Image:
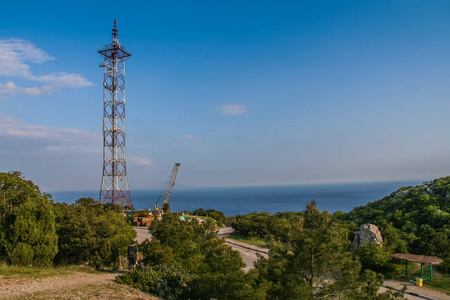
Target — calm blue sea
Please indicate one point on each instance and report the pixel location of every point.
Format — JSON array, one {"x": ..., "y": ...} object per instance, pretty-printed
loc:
[{"x": 242, "y": 200}]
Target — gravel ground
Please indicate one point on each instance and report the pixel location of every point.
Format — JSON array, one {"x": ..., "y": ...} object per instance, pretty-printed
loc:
[{"x": 74, "y": 286}]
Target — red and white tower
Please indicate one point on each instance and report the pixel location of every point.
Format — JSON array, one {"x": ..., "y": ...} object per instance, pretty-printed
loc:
[{"x": 114, "y": 182}]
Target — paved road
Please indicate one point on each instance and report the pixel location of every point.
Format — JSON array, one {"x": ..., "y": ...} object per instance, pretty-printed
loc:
[
  {"x": 248, "y": 252},
  {"x": 414, "y": 292},
  {"x": 142, "y": 234}
]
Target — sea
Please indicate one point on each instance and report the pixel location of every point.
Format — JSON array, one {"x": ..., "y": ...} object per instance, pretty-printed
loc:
[{"x": 234, "y": 201}]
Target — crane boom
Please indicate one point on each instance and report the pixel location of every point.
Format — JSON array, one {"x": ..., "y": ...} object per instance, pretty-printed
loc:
[{"x": 172, "y": 182}]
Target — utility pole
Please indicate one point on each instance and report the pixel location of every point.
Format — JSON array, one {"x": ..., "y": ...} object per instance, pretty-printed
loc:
[{"x": 114, "y": 186}]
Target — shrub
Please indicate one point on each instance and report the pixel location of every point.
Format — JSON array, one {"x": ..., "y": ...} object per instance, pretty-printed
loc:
[{"x": 168, "y": 281}]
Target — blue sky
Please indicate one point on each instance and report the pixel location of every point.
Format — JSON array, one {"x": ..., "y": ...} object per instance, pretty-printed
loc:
[{"x": 238, "y": 92}]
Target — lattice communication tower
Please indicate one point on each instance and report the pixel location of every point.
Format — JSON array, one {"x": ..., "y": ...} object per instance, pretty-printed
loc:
[{"x": 114, "y": 181}]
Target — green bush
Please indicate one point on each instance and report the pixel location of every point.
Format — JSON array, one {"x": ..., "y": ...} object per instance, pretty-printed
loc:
[
  {"x": 217, "y": 215},
  {"x": 21, "y": 255},
  {"x": 445, "y": 265},
  {"x": 374, "y": 257},
  {"x": 165, "y": 281}
]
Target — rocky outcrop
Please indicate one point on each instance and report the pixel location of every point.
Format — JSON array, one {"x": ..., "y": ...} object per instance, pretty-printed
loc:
[
  {"x": 404, "y": 191},
  {"x": 367, "y": 233}
]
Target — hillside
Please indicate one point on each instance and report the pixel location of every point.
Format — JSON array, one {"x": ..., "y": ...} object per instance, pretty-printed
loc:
[{"x": 421, "y": 215}]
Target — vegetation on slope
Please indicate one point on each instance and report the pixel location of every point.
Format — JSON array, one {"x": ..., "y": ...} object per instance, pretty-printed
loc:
[
  {"x": 186, "y": 260},
  {"x": 412, "y": 220},
  {"x": 419, "y": 216}
]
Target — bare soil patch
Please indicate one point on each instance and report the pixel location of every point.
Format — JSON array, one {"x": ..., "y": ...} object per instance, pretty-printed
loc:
[{"x": 77, "y": 285}]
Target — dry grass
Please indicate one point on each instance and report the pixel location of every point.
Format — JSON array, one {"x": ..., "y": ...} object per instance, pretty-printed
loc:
[
  {"x": 111, "y": 290},
  {"x": 10, "y": 272},
  {"x": 72, "y": 282}
]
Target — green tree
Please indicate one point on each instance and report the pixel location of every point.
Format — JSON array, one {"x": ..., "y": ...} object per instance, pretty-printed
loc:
[
  {"x": 264, "y": 224},
  {"x": 27, "y": 226},
  {"x": 215, "y": 270},
  {"x": 374, "y": 257},
  {"x": 154, "y": 253},
  {"x": 199, "y": 212},
  {"x": 319, "y": 251},
  {"x": 91, "y": 233},
  {"x": 314, "y": 263},
  {"x": 217, "y": 215}
]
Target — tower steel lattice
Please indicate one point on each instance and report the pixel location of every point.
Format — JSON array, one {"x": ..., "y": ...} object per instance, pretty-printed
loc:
[{"x": 114, "y": 186}]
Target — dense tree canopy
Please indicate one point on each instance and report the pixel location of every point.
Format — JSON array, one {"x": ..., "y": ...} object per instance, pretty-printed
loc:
[
  {"x": 262, "y": 224},
  {"x": 91, "y": 233},
  {"x": 313, "y": 262},
  {"x": 212, "y": 213},
  {"x": 308, "y": 258},
  {"x": 186, "y": 260},
  {"x": 27, "y": 227},
  {"x": 192, "y": 251}
]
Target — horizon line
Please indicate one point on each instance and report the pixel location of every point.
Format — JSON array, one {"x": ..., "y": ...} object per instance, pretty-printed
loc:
[{"x": 262, "y": 185}]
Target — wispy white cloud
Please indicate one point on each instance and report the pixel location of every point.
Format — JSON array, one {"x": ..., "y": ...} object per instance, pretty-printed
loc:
[
  {"x": 57, "y": 82},
  {"x": 15, "y": 55},
  {"x": 24, "y": 137},
  {"x": 233, "y": 110},
  {"x": 65, "y": 79},
  {"x": 34, "y": 91},
  {"x": 140, "y": 161},
  {"x": 190, "y": 137},
  {"x": 8, "y": 88}
]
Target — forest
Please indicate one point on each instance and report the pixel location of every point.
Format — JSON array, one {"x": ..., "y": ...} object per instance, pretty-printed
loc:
[{"x": 309, "y": 255}]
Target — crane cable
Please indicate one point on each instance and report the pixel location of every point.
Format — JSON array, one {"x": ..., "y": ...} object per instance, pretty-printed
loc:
[{"x": 164, "y": 188}]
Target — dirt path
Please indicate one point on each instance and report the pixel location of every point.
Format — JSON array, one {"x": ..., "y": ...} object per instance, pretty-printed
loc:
[{"x": 73, "y": 286}]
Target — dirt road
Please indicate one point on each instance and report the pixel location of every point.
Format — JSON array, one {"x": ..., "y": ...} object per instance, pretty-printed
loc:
[{"x": 72, "y": 286}]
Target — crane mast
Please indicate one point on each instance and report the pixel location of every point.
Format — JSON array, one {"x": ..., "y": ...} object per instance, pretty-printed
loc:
[
  {"x": 172, "y": 182},
  {"x": 169, "y": 186}
]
